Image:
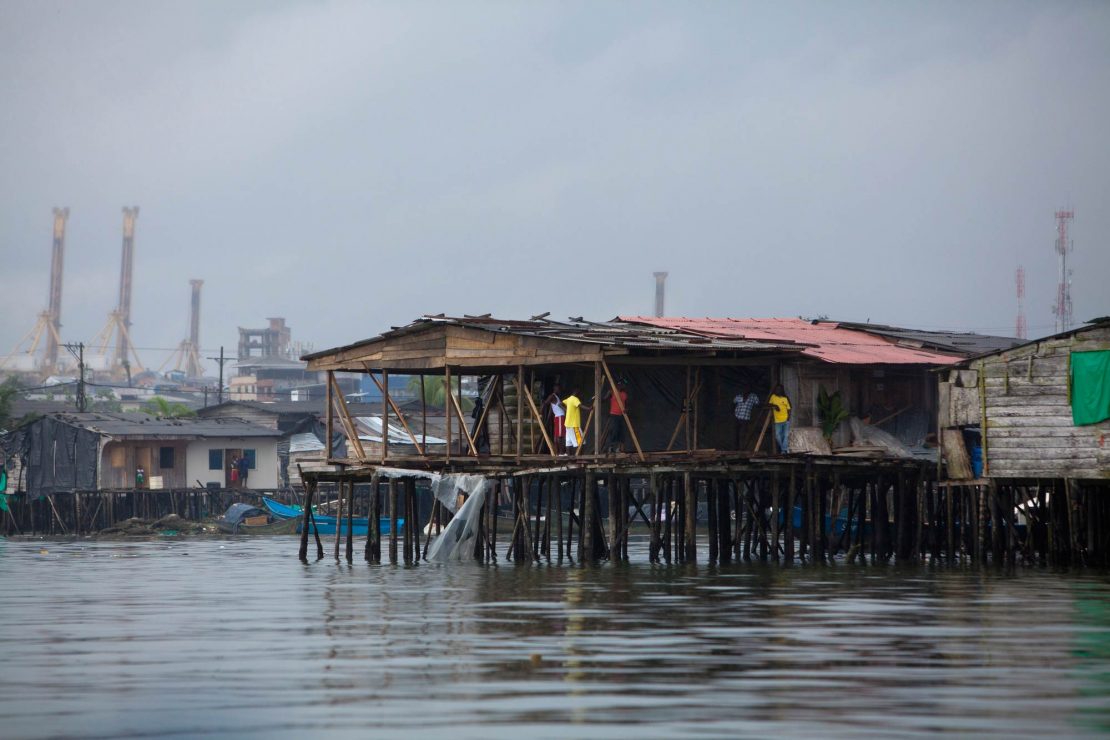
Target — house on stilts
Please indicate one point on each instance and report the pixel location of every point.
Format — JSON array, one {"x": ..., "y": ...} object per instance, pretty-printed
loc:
[{"x": 677, "y": 463}]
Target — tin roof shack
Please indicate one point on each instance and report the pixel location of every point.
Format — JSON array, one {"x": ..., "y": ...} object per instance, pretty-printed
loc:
[
  {"x": 1040, "y": 410},
  {"x": 881, "y": 372},
  {"x": 680, "y": 385},
  {"x": 92, "y": 451},
  {"x": 284, "y": 416}
]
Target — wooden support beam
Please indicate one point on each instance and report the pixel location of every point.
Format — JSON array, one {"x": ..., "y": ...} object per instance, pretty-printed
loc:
[
  {"x": 329, "y": 423},
  {"x": 385, "y": 416},
  {"x": 392, "y": 521},
  {"x": 462, "y": 423},
  {"x": 597, "y": 416},
  {"x": 690, "y": 491},
  {"x": 400, "y": 416},
  {"x": 446, "y": 410},
  {"x": 586, "y": 431},
  {"x": 536, "y": 415},
  {"x": 345, "y": 419},
  {"x": 519, "y": 411},
  {"x": 683, "y": 416},
  {"x": 624, "y": 411}
]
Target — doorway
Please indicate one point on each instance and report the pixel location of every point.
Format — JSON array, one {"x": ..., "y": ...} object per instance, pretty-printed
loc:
[{"x": 231, "y": 456}]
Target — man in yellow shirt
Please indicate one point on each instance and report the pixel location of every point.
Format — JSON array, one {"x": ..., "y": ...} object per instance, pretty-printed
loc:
[
  {"x": 780, "y": 406},
  {"x": 573, "y": 420}
]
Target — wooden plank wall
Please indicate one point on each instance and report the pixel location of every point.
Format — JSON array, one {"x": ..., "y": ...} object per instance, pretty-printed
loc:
[
  {"x": 1029, "y": 431},
  {"x": 432, "y": 348}
]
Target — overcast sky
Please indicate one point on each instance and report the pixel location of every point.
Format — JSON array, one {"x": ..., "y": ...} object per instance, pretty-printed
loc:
[{"x": 353, "y": 165}]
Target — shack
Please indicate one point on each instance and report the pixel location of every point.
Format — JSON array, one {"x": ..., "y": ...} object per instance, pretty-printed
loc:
[
  {"x": 91, "y": 451},
  {"x": 666, "y": 387},
  {"x": 1035, "y": 411},
  {"x": 882, "y": 373},
  {"x": 1024, "y": 435}
]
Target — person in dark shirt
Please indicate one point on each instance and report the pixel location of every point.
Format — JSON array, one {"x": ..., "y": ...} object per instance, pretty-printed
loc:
[{"x": 614, "y": 441}]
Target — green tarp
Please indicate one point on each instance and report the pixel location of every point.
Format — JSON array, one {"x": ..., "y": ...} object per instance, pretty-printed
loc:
[{"x": 1090, "y": 387}]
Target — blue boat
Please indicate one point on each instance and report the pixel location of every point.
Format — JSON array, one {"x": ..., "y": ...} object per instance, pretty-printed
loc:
[
  {"x": 326, "y": 524},
  {"x": 836, "y": 526}
]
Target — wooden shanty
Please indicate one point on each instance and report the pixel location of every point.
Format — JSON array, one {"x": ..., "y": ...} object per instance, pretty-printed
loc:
[
  {"x": 677, "y": 463},
  {"x": 1013, "y": 440}
]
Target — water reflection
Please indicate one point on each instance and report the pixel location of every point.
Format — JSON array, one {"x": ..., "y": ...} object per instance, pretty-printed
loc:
[{"x": 239, "y": 637}]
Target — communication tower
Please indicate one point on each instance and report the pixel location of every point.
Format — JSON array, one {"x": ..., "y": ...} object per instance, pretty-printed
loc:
[{"x": 1064, "y": 246}]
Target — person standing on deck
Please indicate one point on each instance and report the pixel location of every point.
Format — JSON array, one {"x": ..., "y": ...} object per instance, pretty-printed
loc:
[
  {"x": 614, "y": 440},
  {"x": 780, "y": 407},
  {"x": 745, "y": 404},
  {"x": 554, "y": 407},
  {"x": 244, "y": 469},
  {"x": 573, "y": 419}
]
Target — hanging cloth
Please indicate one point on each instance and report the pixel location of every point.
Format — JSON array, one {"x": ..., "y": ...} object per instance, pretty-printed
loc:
[{"x": 1090, "y": 387}]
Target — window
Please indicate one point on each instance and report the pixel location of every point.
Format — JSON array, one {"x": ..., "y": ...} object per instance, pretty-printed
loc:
[
  {"x": 215, "y": 459},
  {"x": 249, "y": 454},
  {"x": 165, "y": 458}
]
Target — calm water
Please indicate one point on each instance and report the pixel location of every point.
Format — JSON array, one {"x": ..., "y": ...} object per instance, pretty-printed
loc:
[{"x": 237, "y": 637}]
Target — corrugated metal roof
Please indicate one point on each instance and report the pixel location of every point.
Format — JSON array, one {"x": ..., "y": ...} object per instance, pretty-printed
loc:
[
  {"x": 962, "y": 343},
  {"x": 133, "y": 425},
  {"x": 823, "y": 340},
  {"x": 606, "y": 333}
]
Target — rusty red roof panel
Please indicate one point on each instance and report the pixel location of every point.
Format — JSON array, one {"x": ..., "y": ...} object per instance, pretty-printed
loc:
[{"x": 824, "y": 340}]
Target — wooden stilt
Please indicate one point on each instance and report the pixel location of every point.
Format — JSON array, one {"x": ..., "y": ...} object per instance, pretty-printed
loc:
[
  {"x": 391, "y": 502},
  {"x": 558, "y": 483},
  {"x": 350, "y": 522},
  {"x": 656, "y": 518},
  {"x": 691, "y": 523}
]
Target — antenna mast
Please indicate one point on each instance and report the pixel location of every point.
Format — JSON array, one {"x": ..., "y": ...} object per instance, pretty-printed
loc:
[{"x": 1062, "y": 309}]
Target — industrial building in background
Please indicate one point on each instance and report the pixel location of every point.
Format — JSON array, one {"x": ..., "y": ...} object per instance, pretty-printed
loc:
[
  {"x": 113, "y": 342},
  {"x": 269, "y": 365},
  {"x": 273, "y": 341},
  {"x": 47, "y": 330},
  {"x": 1063, "y": 309}
]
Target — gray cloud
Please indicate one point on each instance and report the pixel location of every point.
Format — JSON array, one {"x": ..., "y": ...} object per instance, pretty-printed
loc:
[{"x": 351, "y": 165}]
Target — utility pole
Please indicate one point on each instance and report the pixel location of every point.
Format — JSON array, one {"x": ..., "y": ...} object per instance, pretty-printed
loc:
[
  {"x": 220, "y": 390},
  {"x": 78, "y": 352}
]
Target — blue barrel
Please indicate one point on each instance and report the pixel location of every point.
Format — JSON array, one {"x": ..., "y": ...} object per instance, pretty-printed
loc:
[{"x": 977, "y": 461}]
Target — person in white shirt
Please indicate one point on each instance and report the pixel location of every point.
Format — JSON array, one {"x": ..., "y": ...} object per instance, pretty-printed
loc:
[{"x": 745, "y": 404}]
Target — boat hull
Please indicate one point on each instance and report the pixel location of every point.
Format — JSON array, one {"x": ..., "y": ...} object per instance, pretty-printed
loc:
[{"x": 326, "y": 524}]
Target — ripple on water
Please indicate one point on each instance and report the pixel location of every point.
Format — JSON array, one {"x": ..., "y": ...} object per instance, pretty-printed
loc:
[{"x": 237, "y": 637}]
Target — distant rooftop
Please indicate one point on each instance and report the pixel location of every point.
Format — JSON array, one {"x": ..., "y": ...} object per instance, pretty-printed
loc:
[{"x": 139, "y": 425}]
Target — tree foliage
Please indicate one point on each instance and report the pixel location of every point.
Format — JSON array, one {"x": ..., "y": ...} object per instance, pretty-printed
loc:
[
  {"x": 8, "y": 390},
  {"x": 435, "y": 391},
  {"x": 832, "y": 412},
  {"x": 159, "y": 406}
]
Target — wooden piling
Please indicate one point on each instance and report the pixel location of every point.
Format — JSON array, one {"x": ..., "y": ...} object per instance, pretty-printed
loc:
[{"x": 691, "y": 493}]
